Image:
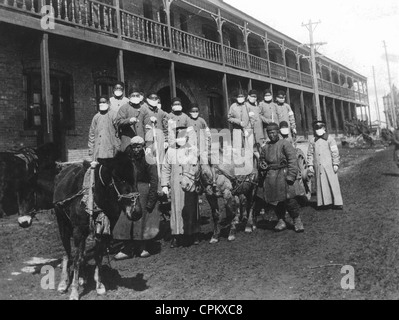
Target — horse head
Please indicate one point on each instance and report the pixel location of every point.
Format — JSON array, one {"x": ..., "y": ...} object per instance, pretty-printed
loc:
[
  {"x": 190, "y": 181},
  {"x": 118, "y": 179}
]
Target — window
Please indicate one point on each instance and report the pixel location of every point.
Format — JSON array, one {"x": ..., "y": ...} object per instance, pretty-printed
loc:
[
  {"x": 216, "y": 114},
  {"x": 147, "y": 9},
  {"x": 183, "y": 22},
  {"x": 210, "y": 33},
  {"x": 62, "y": 111}
]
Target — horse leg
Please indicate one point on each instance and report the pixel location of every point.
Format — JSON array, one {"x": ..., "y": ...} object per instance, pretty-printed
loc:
[
  {"x": 213, "y": 203},
  {"x": 251, "y": 222},
  {"x": 79, "y": 237},
  {"x": 234, "y": 205},
  {"x": 65, "y": 234},
  {"x": 98, "y": 257}
]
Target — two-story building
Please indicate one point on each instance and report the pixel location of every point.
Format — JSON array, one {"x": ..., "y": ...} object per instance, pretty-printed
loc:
[{"x": 51, "y": 74}]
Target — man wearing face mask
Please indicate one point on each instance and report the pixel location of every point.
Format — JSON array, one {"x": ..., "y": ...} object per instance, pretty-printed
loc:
[
  {"x": 184, "y": 216},
  {"x": 238, "y": 114},
  {"x": 127, "y": 119},
  {"x": 284, "y": 112},
  {"x": 199, "y": 125},
  {"x": 278, "y": 162},
  {"x": 268, "y": 110},
  {"x": 151, "y": 116},
  {"x": 177, "y": 118},
  {"x": 323, "y": 159},
  {"x": 254, "y": 115},
  {"x": 118, "y": 100},
  {"x": 103, "y": 141}
]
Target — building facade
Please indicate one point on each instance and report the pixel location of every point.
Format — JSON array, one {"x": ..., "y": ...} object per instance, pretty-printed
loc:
[{"x": 58, "y": 56}]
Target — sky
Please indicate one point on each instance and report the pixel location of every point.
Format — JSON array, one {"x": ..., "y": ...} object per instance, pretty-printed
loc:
[{"x": 354, "y": 31}]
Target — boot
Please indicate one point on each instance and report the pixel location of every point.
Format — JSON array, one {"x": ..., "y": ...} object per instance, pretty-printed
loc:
[
  {"x": 298, "y": 225},
  {"x": 280, "y": 225}
]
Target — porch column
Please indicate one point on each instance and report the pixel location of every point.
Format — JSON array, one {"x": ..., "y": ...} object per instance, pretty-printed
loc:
[
  {"x": 303, "y": 116},
  {"x": 350, "y": 111},
  {"x": 172, "y": 80},
  {"x": 335, "y": 117},
  {"x": 342, "y": 114},
  {"x": 327, "y": 118},
  {"x": 46, "y": 134},
  {"x": 225, "y": 95},
  {"x": 166, "y": 4},
  {"x": 288, "y": 96},
  {"x": 120, "y": 66},
  {"x": 246, "y": 45}
]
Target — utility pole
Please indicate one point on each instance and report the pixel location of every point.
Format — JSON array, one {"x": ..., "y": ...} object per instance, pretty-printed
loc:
[
  {"x": 376, "y": 103},
  {"x": 393, "y": 111},
  {"x": 311, "y": 26}
]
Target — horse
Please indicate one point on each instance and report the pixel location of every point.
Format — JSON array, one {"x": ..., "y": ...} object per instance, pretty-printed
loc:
[
  {"x": 21, "y": 172},
  {"x": 237, "y": 191},
  {"x": 114, "y": 193}
]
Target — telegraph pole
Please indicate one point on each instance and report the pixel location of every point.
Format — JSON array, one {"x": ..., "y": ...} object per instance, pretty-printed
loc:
[
  {"x": 376, "y": 103},
  {"x": 393, "y": 111},
  {"x": 311, "y": 26}
]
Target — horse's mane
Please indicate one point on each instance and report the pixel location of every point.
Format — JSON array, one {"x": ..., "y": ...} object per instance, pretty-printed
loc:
[{"x": 121, "y": 165}]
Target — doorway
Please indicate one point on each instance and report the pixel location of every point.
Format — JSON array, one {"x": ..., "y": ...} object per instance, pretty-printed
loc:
[{"x": 165, "y": 97}]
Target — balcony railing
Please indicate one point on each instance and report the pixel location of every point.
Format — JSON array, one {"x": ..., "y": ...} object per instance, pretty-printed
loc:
[{"x": 103, "y": 18}]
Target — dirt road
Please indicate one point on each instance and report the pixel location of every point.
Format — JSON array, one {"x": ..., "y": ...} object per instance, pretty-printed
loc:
[{"x": 262, "y": 265}]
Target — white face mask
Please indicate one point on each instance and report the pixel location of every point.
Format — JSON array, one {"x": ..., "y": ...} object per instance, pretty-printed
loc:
[
  {"x": 153, "y": 103},
  {"x": 240, "y": 100},
  {"x": 320, "y": 132},
  {"x": 118, "y": 93},
  {"x": 177, "y": 108},
  {"x": 181, "y": 141},
  {"x": 103, "y": 106},
  {"x": 285, "y": 131},
  {"x": 280, "y": 100},
  {"x": 135, "y": 100},
  {"x": 194, "y": 115},
  {"x": 268, "y": 98},
  {"x": 252, "y": 99}
]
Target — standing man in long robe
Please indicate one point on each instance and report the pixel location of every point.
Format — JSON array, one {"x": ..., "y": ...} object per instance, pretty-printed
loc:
[
  {"x": 256, "y": 122},
  {"x": 268, "y": 110},
  {"x": 119, "y": 99},
  {"x": 147, "y": 227},
  {"x": 324, "y": 161},
  {"x": 181, "y": 158},
  {"x": 285, "y": 113},
  {"x": 278, "y": 161}
]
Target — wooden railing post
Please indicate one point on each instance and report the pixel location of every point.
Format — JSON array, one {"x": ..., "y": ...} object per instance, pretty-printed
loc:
[
  {"x": 118, "y": 18},
  {"x": 220, "y": 30}
]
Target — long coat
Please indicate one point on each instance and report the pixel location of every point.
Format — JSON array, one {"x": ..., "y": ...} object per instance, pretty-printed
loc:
[
  {"x": 285, "y": 113},
  {"x": 147, "y": 183},
  {"x": 268, "y": 114},
  {"x": 103, "y": 140},
  {"x": 257, "y": 124},
  {"x": 323, "y": 154},
  {"x": 116, "y": 104},
  {"x": 127, "y": 130},
  {"x": 184, "y": 217},
  {"x": 175, "y": 121},
  {"x": 275, "y": 186},
  {"x": 201, "y": 130}
]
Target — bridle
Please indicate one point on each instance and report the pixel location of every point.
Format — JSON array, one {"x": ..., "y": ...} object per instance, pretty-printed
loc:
[
  {"x": 133, "y": 196},
  {"x": 195, "y": 178}
]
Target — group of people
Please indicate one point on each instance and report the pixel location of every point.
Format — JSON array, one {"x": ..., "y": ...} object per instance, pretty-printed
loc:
[{"x": 163, "y": 151}]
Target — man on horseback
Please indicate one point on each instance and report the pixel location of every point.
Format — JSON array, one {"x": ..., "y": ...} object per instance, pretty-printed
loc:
[{"x": 278, "y": 161}]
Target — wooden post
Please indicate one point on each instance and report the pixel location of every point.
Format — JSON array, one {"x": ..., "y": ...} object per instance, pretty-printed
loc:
[
  {"x": 118, "y": 19},
  {"x": 167, "y": 4},
  {"x": 225, "y": 95},
  {"x": 246, "y": 45},
  {"x": 288, "y": 96},
  {"x": 343, "y": 114},
  {"x": 46, "y": 111},
  {"x": 267, "y": 55},
  {"x": 325, "y": 114},
  {"x": 350, "y": 111},
  {"x": 220, "y": 30},
  {"x": 249, "y": 85},
  {"x": 120, "y": 66},
  {"x": 172, "y": 80},
  {"x": 303, "y": 116},
  {"x": 335, "y": 117}
]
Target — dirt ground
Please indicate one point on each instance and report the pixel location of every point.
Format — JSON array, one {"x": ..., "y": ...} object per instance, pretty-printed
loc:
[{"x": 261, "y": 265}]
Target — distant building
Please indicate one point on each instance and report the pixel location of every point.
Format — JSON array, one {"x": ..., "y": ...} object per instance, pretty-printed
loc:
[
  {"x": 201, "y": 51},
  {"x": 387, "y": 101}
]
